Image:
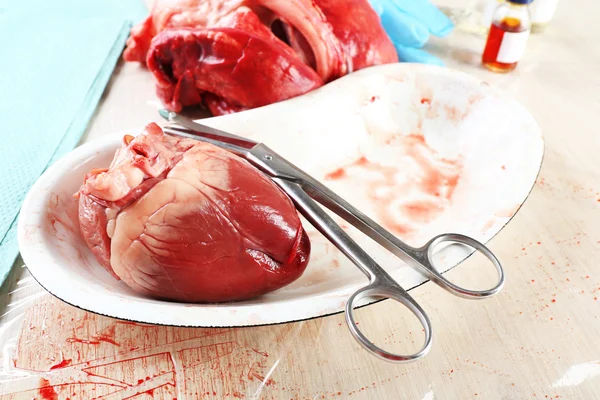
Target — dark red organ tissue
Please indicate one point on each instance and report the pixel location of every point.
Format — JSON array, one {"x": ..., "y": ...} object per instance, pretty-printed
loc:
[
  {"x": 182, "y": 220},
  {"x": 232, "y": 55}
]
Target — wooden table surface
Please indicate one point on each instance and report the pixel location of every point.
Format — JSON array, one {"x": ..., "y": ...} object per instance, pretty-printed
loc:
[{"x": 537, "y": 339}]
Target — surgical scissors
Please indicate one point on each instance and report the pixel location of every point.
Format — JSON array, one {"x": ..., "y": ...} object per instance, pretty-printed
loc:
[{"x": 305, "y": 192}]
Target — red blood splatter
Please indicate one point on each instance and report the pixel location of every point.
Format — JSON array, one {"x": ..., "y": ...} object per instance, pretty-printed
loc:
[
  {"x": 238, "y": 395},
  {"x": 533, "y": 280},
  {"x": 454, "y": 113},
  {"x": 262, "y": 353},
  {"x": 140, "y": 381},
  {"x": 373, "y": 98},
  {"x": 425, "y": 101},
  {"x": 84, "y": 341},
  {"x": 420, "y": 210},
  {"x": 435, "y": 176},
  {"x": 46, "y": 391},
  {"x": 539, "y": 242},
  {"x": 587, "y": 277},
  {"x": 108, "y": 335},
  {"x": 554, "y": 300},
  {"x": 252, "y": 373},
  {"x": 337, "y": 174},
  {"x": 123, "y": 322},
  {"x": 63, "y": 363},
  {"x": 363, "y": 161}
]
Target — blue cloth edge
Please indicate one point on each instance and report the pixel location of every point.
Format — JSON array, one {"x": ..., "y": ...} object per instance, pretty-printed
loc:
[{"x": 74, "y": 132}]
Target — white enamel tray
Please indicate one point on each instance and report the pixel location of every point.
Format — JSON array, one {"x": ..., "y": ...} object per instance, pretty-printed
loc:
[{"x": 421, "y": 149}]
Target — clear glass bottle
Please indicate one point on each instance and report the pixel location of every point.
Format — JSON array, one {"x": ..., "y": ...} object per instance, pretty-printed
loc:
[
  {"x": 508, "y": 35},
  {"x": 473, "y": 18},
  {"x": 542, "y": 12}
]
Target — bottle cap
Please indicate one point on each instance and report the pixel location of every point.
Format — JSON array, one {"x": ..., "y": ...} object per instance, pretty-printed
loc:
[{"x": 520, "y": 1}]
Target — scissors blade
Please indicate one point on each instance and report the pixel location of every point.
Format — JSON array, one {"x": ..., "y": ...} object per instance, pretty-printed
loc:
[
  {"x": 182, "y": 132},
  {"x": 235, "y": 143},
  {"x": 258, "y": 154}
]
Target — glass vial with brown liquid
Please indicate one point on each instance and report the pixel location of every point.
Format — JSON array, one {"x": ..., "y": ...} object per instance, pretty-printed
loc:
[{"x": 508, "y": 36}]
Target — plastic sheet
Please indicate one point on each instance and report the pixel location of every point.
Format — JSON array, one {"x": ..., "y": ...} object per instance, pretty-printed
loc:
[{"x": 51, "y": 350}]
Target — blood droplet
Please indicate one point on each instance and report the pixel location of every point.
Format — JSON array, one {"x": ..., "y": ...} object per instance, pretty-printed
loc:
[
  {"x": 65, "y": 362},
  {"x": 46, "y": 391}
]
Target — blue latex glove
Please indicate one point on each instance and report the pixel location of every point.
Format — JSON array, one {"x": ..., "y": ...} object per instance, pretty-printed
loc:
[{"x": 409, "y": 23}]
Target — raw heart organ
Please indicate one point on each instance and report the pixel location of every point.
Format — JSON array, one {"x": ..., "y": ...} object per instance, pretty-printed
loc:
[
  {"x": 230, "y": 70},
  {"x": 182, "y": 220},
  {"x": 232, "y": 55}
]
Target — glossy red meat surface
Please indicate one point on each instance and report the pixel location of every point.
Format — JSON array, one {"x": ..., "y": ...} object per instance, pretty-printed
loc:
[
  {"x": 182, "y": 220},
  {"x": 232, "y": 55}
]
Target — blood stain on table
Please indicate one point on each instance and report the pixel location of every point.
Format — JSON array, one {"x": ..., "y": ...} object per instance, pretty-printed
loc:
[
  {"x": 164, "y": 361},
  {"x": 65, "y": 362},
  {"x": 46, "y": 391},
  {"x": 262, "y": 353},
  {"x": 84, "y": 341},
  {"x": 108, "y": 335}
]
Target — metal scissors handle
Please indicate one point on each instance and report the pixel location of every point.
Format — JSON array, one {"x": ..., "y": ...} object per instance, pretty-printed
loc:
[{"x": 305, "y": 191}]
